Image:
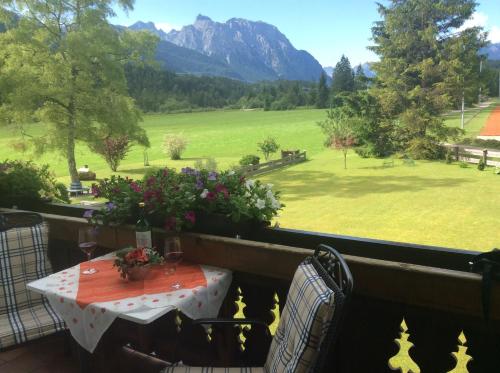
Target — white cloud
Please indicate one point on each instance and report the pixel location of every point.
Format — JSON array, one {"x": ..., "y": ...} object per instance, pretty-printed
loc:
[
  {"x": 494, "y": 34},
  {"x": 165, "y": 26},
  {"x": 477, "y": 19}
]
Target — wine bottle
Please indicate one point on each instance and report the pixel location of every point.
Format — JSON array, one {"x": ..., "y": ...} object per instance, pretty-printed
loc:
[{"x": 142, "y": 229}]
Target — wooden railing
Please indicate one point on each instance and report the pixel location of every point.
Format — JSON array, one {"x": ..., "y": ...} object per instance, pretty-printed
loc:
[
  {"x": 472, "y": 154},
  {"x": 404, "y": 316},
  {"x": 252, "y": 170}
]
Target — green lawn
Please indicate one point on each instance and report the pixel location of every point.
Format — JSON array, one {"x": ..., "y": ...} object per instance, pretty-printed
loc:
[
  {"x": 430, "y": 203},
  {"x": 474, "y": 119}
]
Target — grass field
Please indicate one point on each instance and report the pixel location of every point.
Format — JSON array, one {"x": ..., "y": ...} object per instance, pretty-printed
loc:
[{"x": 431, "y": 203}]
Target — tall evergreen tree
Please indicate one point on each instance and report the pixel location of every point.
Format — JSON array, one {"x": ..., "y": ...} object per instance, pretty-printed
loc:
[
  {"x": 412, "y": 40},
  {"x": 360, "y": 79},
  {"x": 322, "y": 96},
  {"x": 343, "y": 77},
  {"x": 62, "y": 64}
]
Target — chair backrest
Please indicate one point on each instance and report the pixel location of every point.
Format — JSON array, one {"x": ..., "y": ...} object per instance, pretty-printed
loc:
[
  {"x": 19, "y": 220},
  {"x": 312, "y": 314},
  {"x": 23, "y": 258}
]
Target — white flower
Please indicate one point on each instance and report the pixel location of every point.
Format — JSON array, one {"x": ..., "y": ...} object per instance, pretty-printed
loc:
[
  {"x": 204, "y": 193},
  {"x": 270, "y": 194},
  {"x": 249, "y": 183},
  {"x": 247, "y": 194},
  {"x": 269, "y": 186},
  {"x": 231, "y": 173},
  {"x": 260, "y": 204},
  {"x": 275, "y": 204}
]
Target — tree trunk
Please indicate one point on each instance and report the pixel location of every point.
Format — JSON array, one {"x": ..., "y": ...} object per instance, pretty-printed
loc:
[
  {"x": 70, "y": 150},
  {"x": 345, "y": 159}
]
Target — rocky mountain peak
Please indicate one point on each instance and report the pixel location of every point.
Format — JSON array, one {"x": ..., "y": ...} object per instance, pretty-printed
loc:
[{"x": 256, "y": 50}]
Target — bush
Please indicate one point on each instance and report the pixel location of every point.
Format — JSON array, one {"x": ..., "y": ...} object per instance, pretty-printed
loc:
[
  {"x": 268, "y": 147},
  {"x": 210, "y": 164},
  {"x": 464, "y": 164},
  {"x": 22, "y": 183},
  {"x": 174, "y": 145},
  {"x": 482, "y": 143},
  {"x": 113, "y": 150},
  {"x": 424, "y": 148},
  {"x": 481, "y": 165},
  {"x": 450, "y": 157},
  {"x": 497, "y": 170},
  {"x": 249, "y": 159}
]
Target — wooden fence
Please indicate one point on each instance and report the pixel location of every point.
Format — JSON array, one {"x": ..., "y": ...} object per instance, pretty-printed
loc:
[
  {"x": 472, "y": 154},
  {"x": 252, "y": 170}
]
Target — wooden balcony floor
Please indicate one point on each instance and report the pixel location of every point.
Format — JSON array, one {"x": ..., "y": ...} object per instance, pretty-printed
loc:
[{"x": 42, "y": 356}]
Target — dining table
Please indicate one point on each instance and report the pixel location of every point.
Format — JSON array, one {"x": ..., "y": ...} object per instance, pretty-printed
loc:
[{"x": 90, "y": 303}]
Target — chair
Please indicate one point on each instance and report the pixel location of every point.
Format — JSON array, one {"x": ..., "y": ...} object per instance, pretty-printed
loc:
[
  {"x": 309, "y": 324},
  {"x": 24, "y": 315}
]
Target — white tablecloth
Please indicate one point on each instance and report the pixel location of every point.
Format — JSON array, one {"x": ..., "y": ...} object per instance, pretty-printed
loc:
[{"x": 87, "y": 325}]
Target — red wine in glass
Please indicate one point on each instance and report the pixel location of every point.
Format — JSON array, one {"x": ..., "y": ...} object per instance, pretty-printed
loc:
[{"x": 87, "y": 243}]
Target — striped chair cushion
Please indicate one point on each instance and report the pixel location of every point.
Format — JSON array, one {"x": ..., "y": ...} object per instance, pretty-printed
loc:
[
  {"x": 24, "y": 315},
  {"x": 303, "y": 325},
  {"x": 186, "y": 369}
]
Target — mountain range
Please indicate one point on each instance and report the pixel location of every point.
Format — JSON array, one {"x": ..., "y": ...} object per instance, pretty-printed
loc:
[{"x": 238, "y": 49}]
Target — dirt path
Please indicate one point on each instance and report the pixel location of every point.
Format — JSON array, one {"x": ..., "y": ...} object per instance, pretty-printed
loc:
[{"x": 492, "y": 126}]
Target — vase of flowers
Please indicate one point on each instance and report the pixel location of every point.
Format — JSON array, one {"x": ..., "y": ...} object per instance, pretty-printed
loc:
[{"x": 135, "y": 263}]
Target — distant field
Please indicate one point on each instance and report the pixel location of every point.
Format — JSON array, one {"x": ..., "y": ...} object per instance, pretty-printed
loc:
[{"x": 430, "y": 203}]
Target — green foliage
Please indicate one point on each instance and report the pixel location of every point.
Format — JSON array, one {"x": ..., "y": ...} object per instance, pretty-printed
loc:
[
  {"x": 210, "y": 164},
  {"x": 360, "y": 79},
  {"x": 481, "y": 165},
  {"x": 159, "y": 90},
  {"x": 24, "y": 182},
  {"x": 173, "y": 199},
  {"x": 113, "y": 150},
  {"x": 483, "y": 143},
  {"x": 322, "y": 96},
  {"x": 268, "y": 146},
  {"x": 249, "y": 159},
  {"x": 463, "y": 164},
  {"x": 424, "y": 148},
  {"x": 174, "y": 145},
  {"x": 422, "y": 61},
  {"x": 449, "y": 157},
  {"x": 62, "y": 64},
  {"x": 340, "y": 130},
  {"x": 343, "y": 77}
]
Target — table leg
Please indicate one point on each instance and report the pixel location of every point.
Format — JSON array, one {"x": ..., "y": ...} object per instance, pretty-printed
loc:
[{"x": 84, "y": 360}]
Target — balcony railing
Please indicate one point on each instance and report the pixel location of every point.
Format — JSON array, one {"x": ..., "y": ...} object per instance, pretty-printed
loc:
[{"x": 414, "y": 307}]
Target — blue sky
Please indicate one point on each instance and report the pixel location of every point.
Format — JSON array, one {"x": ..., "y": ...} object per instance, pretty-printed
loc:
[{"x": 325, "y": 28}]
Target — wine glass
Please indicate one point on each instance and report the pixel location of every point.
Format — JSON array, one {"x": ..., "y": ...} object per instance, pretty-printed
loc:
[
  {"x": 173, "y": 256},
  {"x": 87, "y": 242}
]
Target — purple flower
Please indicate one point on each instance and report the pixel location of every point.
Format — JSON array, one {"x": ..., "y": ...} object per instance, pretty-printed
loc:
[
  {"x": 188, "y": 171},
  {"x": 88, "y": 214},
  {"x": 212, "y": 176},
  {"x": 151, "y": 180},
  {"x": 110, "y": 206},
  {"x": 199, "y": 184},
  {"x": 190, "y": 216}
]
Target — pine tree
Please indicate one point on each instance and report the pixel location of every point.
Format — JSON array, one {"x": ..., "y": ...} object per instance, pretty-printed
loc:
[
  {"x": 343, "y": 77},
  {"x": 360, "y": 79},
  {"x": 322, "y": 96},
  {"x": 413, "y": 40}
]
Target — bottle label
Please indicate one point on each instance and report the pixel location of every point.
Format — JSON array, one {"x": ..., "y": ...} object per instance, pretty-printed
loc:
[{"x": 143, "y": 239}]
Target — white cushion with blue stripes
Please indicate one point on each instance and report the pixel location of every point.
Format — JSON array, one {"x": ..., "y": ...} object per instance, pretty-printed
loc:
[
  {"x": 303, "y": 324},
  {"x": 24, "y": 315}
]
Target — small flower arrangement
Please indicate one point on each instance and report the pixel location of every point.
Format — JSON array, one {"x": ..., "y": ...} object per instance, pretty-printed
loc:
[{"x": 132, "y": 262}]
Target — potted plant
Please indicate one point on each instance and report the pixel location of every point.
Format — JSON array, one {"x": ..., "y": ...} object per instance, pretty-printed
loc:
[
  {"x": 188, "y": 199},
  {"x": 134, "y": 263}
]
